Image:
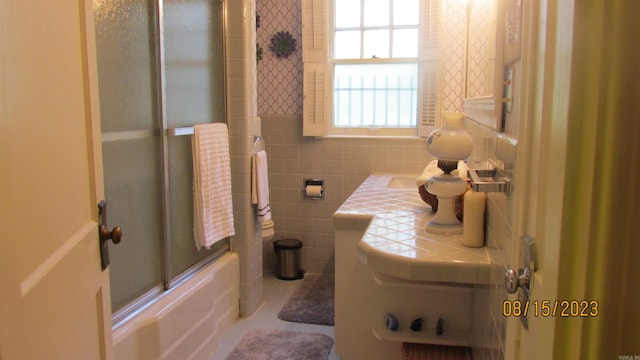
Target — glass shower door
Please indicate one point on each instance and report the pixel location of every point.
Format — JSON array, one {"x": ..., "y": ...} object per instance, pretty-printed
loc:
[
  {"x": 131, "y": 144},
  {"x": 157, "y": 70},
  {"x": 194, "y": 88}
]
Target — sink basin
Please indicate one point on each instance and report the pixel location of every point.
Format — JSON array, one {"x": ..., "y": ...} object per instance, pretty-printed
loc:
[
  {"x": 402, "y": 182},
  {"x": 393, "y": 181}
]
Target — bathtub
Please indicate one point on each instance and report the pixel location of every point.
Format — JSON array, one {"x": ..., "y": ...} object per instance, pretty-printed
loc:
[{"x": 186, "y": 322}]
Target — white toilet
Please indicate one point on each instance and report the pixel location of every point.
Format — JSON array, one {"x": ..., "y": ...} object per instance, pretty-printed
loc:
[{"x": 268, "y": 230}]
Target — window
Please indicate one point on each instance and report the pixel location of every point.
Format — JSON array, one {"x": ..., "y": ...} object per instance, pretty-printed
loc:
[
  {"x": 372, "y": 68},
  {"x": 375, "y": 95}
]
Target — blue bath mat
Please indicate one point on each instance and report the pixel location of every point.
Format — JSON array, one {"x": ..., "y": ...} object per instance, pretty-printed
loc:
[
  {"x": 261, "y": 344},
  {"x": 312, "y": 302}
]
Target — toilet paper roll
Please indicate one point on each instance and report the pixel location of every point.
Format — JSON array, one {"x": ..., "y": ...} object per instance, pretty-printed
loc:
[{"x": 313, "y": 191}]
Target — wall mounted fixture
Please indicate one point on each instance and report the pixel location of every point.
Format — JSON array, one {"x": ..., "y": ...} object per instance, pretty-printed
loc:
[
  {"x": 313, "y": 189},
  {"x": 490, "y": 180}
]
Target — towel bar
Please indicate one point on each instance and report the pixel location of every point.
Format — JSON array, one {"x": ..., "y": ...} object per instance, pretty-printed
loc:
[
  {"x": 179, "y": 131},
  {"x": 258, "y": 143},
  {"x": 188, "y": 130}
]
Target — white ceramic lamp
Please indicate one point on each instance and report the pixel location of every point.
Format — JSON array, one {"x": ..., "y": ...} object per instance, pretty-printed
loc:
[{"x": 449, "y": 145}]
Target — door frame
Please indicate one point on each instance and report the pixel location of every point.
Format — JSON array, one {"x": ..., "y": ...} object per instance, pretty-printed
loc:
[
  {"x": 540, "y": 173},
  {"x": 94, "y": 136}
]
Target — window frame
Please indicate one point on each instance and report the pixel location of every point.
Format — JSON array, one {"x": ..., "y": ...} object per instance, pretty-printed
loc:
[
  {"x": 332, "y": 61},
  {"x": 318, "y": 18}
]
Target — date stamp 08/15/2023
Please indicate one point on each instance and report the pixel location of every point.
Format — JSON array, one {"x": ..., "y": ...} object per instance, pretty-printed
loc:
[{"x": 551, "y": 308}]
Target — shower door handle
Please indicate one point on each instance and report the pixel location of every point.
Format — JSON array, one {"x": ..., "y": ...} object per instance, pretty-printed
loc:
[{"x": 105, "y": 235}]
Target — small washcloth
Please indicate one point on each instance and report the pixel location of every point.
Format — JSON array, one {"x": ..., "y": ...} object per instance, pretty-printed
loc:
[
  {"x": 212, "y": 202},
  {"x": 260, "y": 185},
  {"x": 432, "y": 170}
]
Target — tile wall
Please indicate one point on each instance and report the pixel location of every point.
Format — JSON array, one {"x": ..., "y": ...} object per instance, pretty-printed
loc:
[
  {"x": 243, "y": 125},
  {"x": 494, "y": 149},
  {"x": 342, "y": 163}
]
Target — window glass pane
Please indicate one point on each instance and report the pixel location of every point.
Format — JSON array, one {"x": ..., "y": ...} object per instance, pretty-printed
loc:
[
  {"x": 379, "y": 108},
  {"x": 376, "y": 13},
  {"x": 406, "y": 12},
  {"x": 376, "y": 44},
  {"x": 341, "y": 101},
  {"x": 347, "y": 45},
  {"x": 405, "y": 43},
  {"x": 368, "y": 95},
  {"x": 347, "y": 13}
]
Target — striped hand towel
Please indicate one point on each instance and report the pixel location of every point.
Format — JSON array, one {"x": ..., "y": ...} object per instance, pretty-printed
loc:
[
  {"x": 260, "y": 185},
  {"x": 213, "y": 206}
]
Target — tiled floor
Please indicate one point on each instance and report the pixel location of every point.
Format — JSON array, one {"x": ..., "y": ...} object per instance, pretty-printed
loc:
[{"x": 276, "y": 294}]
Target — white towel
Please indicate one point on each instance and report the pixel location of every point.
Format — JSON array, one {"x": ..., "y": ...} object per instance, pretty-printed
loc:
[
  {"x": 213, "y": 206},
  {"x": 432, "y": 170},
  {"x": 260, "y": 185}
]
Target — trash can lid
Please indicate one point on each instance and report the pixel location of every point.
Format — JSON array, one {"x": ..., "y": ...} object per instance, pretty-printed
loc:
[{"x": 287, "y": 244}]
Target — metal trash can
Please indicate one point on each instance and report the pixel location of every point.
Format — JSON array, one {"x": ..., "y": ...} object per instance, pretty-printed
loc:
[{"x": 288, "y": 259}]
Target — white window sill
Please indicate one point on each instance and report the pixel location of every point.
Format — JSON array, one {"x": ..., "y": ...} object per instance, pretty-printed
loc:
[{"x": 394, "y": 137}]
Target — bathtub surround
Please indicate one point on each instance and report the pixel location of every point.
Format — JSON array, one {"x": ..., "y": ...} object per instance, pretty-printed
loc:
[{"x": 184, "y": 323}]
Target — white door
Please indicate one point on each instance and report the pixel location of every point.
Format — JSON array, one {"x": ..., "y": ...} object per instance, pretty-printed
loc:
[
  {"x": 580, "y": 199},
  {"x": 54, "y": 297},
  {"x": 540, "y": 178},
  {"x": 539, "y": 196}
]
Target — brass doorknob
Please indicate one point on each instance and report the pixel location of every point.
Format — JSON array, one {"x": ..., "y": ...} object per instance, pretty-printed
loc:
[{"x": 114, "y": 235}]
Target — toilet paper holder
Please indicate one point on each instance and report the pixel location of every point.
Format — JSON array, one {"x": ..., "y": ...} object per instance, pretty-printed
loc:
[{"x": 314, "y": 183}]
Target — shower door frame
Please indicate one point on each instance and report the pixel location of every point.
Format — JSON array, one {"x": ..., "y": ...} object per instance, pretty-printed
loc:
[{"x": 170, "y": 282}]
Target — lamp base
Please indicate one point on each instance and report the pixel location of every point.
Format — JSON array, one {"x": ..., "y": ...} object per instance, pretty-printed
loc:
[
  {"x": 445, "y": 220},
  {"x": 447, "y": 187},
  {"x": 444, "y": 229}
]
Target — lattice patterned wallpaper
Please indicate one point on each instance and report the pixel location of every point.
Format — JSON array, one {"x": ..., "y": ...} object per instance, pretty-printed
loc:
[
  {"x": 280, "y": 80},
  {"x": 479, "y": 76},
  {"x": 453, "y": 62}
]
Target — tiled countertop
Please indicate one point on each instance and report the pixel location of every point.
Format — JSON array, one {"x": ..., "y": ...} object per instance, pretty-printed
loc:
[{"x": 396, "y": 243}]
